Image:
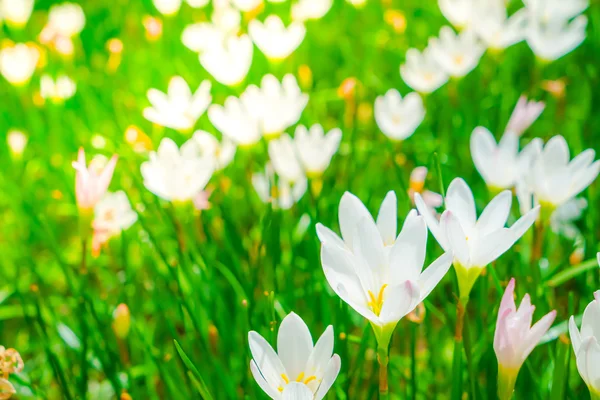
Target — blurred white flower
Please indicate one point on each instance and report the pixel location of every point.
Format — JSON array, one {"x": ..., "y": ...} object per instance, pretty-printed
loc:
[
  {"x": 246, "y": 5},
  {"x": 276, "y": 105},
  {"x": 310, "y": 9},
  {"x": 235, "y": 121},
  {"x": 493, "y": 26},
  {"x": 283, "y": 195},
  {"x": 229, "y": 61},
  {"x": 167, "y": 7},
  {"x": 17, "y": 141},
  {"x": 66, "y": 20},
  {"x": 91, "y": 182},
  {"x": 178, "y": 108},
  {"x": 17, "y": 63},
  {"x": 524, "y": 114},
  {"x": 563, "y": 218},
  {"x": 357, "y": 3},
  {"x": 552, "y": 11},
  {"x": 416, "y": 184},
  {"x": 457, "y": 54},
  {"x": 398, "y": 118},
  {"x": 286, "y": 164},
  {"x": 550, "y": 41},
  {"x": 421, "y": 72},
  {"x": 209, "y": 146},
  {"x": 177, "y": 174},
  {"x": 112, "y": 214},
  {"x": 16, "y": 12},
  {"x": 274, "y": 39},
  {"x": 201, "y": 36},
  {"x": 226, "y": 18},
  {"x": 457, "y": 12},
  {"x": 198, "y": 3},
  {"x": 315, "y": 149},
  {"x": 58, "y": 91},
  {"x": 299, "y": 370}
]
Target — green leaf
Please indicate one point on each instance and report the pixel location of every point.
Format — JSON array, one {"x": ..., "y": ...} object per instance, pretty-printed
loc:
[
  {"x": 572, "y": 272},
  {"x": 200, "y": 385}
]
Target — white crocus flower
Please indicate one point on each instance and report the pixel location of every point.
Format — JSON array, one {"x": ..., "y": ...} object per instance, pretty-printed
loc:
[
  {"x": 550, "y": 41},
  {"x": 17, "y": 63},
  {"x": 524, "y": 114},
  {"x": 177, "y": 174},
  {"x": 276, "y": 105},
  {"x": 283, "y": 195},
  {"x": 421, "y": 72},
  {"x": 246, "y": 5},
  {"x": 286, "y": 164},
  {"x": 167, "y": 7},
  {"x": 235, "y": 121},
  {"x": 16, "y": 12},
  {"x": 299, "y": 368},
  {"x": 457, "y": 54},
  {"x": 586, "y": 345},
  {"x": 398, "y": 118},
  {"x": 112, "y": 214},
  {"x": 64, "y": 20},
  {"x": 474, "y": 242},
  {"x": 457, "y": 12},
  {"x": 495, "y": 28},
  {"x": 274, "y": 39},
  {"x": 315, "y": 148},
  {"x": 178, "y": 108},
  {"x": 229, "y": 61},
  {"x": 374, "y": 271},
  {"x": 222, "y": 152},
  {"x": 201, "y": 36},
  {"x": 310, "y": 9},
  {"x": 57, "y": 91}
]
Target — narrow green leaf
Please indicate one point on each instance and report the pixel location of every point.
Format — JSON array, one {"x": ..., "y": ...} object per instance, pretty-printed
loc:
[{"x": 200, "y": 385}]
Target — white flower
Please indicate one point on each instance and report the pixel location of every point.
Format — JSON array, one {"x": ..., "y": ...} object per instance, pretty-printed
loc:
[
  {"x": 524, "y": 114},
  {"x": 226, "y": 18},
  {"x": 286, "y": 164},
  {"x": 177, "y": 174},
  {"x": 456, "y": 54},
  {"x": 315, "y": 149},
  {"x": 274, "y": 39},
  {"x": 236, "y": 121},
  {"x": 396, "y": 117},
  {"x": 283, "y": 195},
  {"x": 475, "y": 242},
  {"x": 276, "y": 105},
  {"x": 178, "y": 108},
  {"x": 374, "y": 271},
  {"x": 298, "y": 365},
  {"x": 229, "y": 61},
  {"x": 167, "y": 7},
  {"x": 17, "y": 63},
  {"x": 421, "y": 72},
  {"x": 17, "y": 141},
  {"x": 310, "y": 9},
  {"x": 201, "y": 36},
  {"x": 550, "y": 41},
  {"x": 492, "y": 24},
  {"x": 209, "y": 146},
  {"x": 551, "y": 11},
  {"x": 16, "y": 12},
  {"x": 586, "y": 345},
  {"x": 457, "y": 12},
  {"x": 246, "y": 5},
  {"x": 198, "y": 3},
  {"x": 61, "y": 89},
  {"x": 112, "y": 214},
  {"x": 66, "y": 20},
  {"x": 562, "y": 219}
]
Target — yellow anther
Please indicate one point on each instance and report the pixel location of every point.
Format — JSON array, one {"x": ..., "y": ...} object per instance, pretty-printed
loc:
[
  {"x": 300, "y": 377},
  {"x": 376, "y": 303},
  {"x": 280, "y": 388},
  {"x": 285, "y": 378},
  {"x": 309, "y": 379}
]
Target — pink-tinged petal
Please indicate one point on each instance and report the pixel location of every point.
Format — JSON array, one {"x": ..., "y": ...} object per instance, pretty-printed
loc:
[
  {"x": 536, "y": 332},
  {"x": 106, "y": 176},
  {"x": 331, "y": 373},
  {"x": 398, "y": 301},
  {"x": 508, "y": 298},
  {"x": 503, "y": 347}
]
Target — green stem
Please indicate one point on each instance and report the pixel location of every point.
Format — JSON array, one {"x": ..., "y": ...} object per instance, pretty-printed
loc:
[
  {"x": 457, "y": 389},
  {"x": 507, "y": 378},
  {"x": 383, "y": 359},
  {"x": 413, "y": 359},
  {"x": 594, "y": 395}
]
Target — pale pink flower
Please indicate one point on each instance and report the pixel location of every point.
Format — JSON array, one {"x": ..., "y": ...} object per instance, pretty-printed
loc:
[
  {"x": 524, "y": 114},
  {"x": 91, "y": 183},
  {"x": 417, "y": 185}
]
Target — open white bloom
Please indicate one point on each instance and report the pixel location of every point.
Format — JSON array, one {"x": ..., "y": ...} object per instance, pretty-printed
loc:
[
  {"x": 457, "y": 54},
  {"x": 58, "y": 91},
  {"x": 178, "y": 108},
  {"x": 315, "y": 148},
  {"x": 551, "y": 40},
  {"x": 586, "y": 345},
  {"x": 65, "y": 20},
  {"x": 274, "y": 39},
  {"x": 17, "y": 63},
  {"x": 550, "y": 11},
  {"x": 283, "y": 195},
  {"x": 229, "y": 61},
  {"x": 17, "y": 141},
  {"x": 458, "y": 12},
  {"x": 475, "y": 242},
  {"x": 226, "y": 18},
  {"x": 421, "y": 72},
  {"x": 167, "y": 7},
  {"x": 177, "y": 174},
  {"x": 493, "y": 26},
  {"x": 236, "y": 121},
  {"x": 524, "y": 114},
  {"x": 398, "y": 118},
  {"x": 298, "y": 365},
  {"x": 286, "y": 164},
  {"x": 16, "y": 12},
  {"x": 310, "y": 9},
  {"x": 276, "y": 105},
  {"x": 202, "y": 36},
  {"x": 374, "y": 271},
  {"x": 209, "y": 146},
  {"x": 246, "y": 5},
  {"x": 112, "y": 214}
]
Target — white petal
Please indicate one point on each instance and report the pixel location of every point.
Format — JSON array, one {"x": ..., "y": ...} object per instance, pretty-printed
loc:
[
  {"x": 399, "y": 301},
  {"x": 321, "y": 353},
  {"x": 266, "y": 359},
  {"x": 408, "y": 253},
  {"x": 492, "y": 246},
  {"x": 294, "y": 344},
  {"x": 434, "y": 274},
  {"x": 268, "y": 389},
  {"x": 574, "y": 334},
  {"x": 326, "y": 235},
  {"x": 432, "y": 222},
  {"x": 456, "y": 238},
  {"x": 350, "y": 212},
  {"x": 494, "y": 216},
  {"x": 387, "y": 220},
  {"x": 297, "y": 391},
  {"x": 459, "y": 200},
  {"x": 332, "y": 371}
]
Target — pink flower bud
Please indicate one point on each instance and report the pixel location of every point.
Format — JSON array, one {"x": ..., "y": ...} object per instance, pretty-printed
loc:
[{"x": 90, "y": 183}]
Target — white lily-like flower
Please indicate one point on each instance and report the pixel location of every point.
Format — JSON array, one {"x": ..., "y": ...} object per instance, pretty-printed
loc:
[
  {"x": 246, "y": 5},
  {"x": 315, "y": 148},
  {"x": 209, "y": 146},
  {"x": 458, "y": 12},
  {"x": 202, "y": 36},
  {"x": 178, "y": 108},
  {"x": 276, "y": 105},
  {"x": 283, "y": 195},
  {"x": 421, "y": 72},
  {"x": 64, "y": 21},
  {"x": 474, "y": 242},
  {"x": 17, "y": 63},
  {"x": 226, "y": 18},
  {"x": 550, "y": 41},
  {"x": 229, "y": 61},
  {"x": 167, "y": 7},
  {"x": 176, "y": 174},
  {"x": 524, "y": 114},
  {"x": 299, "y": 368},
  {"x": 493, "y": 26},
  {"x": 58, "y": 90},
  {"x": 586, "y": 345},
  {"x": 274, "y": 39},
  {"x": 235, "y": 120},
  {"x": 398, "y": 118},
  {"x": 457, "y": 54},
  {"x": 112, "y": 214},
  {"x": 374, "y": 271},
  {"x": 16, "y": 12},
  {"x": 286, "y": 164},
  {"x": 310, "y": 9}
]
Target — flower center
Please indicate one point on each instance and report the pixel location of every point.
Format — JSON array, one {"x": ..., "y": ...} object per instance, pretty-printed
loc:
[
  {"x": 301, "y": 379},
  {"x": 376, "y": 303}
]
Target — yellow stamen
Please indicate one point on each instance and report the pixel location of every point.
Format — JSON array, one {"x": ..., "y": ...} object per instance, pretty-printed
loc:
[
  {"x": 280, "y": 388},
  {"x": 309, "y": 379},
  {"x": 285, "y": 378},
  {"x": 376, "y": 303},
  {"x": 300, "y": 377}
]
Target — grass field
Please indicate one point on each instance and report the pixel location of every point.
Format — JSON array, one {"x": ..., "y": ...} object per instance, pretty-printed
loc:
[{"x": 162, "y": 309}]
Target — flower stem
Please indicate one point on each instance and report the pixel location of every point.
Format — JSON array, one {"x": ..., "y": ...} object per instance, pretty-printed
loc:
[
  {"x": 507, "y": 378},
  {"x": 461, "y": 308},
  {"x": 383, "y": 358},
  {"x": 594, "y": 395}
]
